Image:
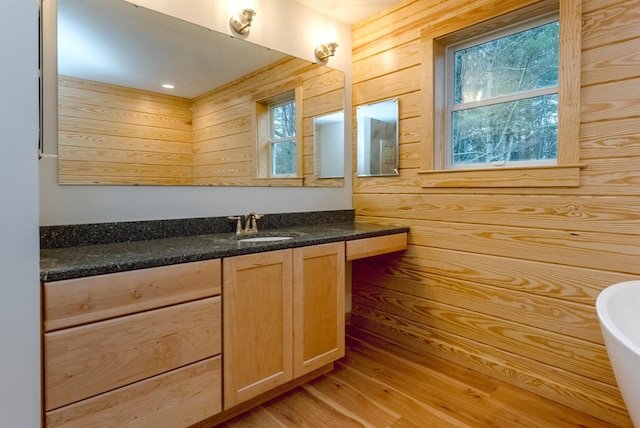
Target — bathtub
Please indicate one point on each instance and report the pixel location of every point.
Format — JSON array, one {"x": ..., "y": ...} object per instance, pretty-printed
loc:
[{"x": 618, "y": 308}]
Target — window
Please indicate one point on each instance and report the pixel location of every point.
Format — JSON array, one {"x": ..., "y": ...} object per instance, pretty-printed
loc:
[
  {"x": 282, "y": 138},
  {"x": 279, "y": 134},
  {"x": 502, "y": 98},
  {"x": 471, "y": 138}
]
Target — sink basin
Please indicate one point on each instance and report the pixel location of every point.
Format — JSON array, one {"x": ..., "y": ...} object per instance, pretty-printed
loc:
[{"x": 266, "y": 239}]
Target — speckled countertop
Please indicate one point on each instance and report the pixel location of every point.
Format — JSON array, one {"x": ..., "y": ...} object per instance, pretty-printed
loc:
[{"x": 95, "y": 259}]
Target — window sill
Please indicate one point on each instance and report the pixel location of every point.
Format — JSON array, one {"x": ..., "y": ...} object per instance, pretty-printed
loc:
[
  {"x": 278, "y": 181},
  {"x": 546, "y": 176}
]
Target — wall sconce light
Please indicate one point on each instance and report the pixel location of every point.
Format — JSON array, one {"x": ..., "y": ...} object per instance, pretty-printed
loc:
[
  {"x": 241, "y": 22},
  {"x": 323, "y": 52}
]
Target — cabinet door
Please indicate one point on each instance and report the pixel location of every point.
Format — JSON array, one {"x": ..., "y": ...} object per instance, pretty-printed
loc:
[
  {"x": 257, "y": 314},
  {"x": 318, "y": 308}
]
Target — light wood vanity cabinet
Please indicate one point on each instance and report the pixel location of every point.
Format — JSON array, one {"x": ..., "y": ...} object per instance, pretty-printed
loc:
[
  {"x": 283, "y": 317},
  {"x": 139, "y": 346},
  {"x": 144, "y": 347}
]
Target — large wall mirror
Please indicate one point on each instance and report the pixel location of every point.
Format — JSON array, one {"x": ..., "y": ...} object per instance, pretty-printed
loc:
[
  {"x": 377, "y": 139},
  {"x": 117, "y": 124}
]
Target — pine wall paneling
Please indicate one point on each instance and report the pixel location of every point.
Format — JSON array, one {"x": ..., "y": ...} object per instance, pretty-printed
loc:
[
  {"x": 504, "y": 280},
  {"x": 224, "y": 128},
  {"x": 110, "y": 134}
]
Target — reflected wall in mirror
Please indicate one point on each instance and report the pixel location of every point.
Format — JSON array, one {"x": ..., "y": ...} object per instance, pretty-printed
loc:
[
  {"x": 377, "y": 139},
  {"x": 328, "y": 143},
  {"x": 118, "y": 125}
]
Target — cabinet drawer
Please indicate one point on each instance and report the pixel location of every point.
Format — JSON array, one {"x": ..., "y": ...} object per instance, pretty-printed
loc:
[
  {"x": 175, "y": 399},
  {"x": 368, "y": 247},
  {"x": 79, "y": 301},
  {"x": 84, "y": 361}
]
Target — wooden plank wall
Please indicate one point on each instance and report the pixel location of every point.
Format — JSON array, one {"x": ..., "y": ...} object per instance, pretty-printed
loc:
[
  {"x": 505, "y": 280},
  {"x": 115, "y": 135},
  {"x": 224, "y": 128},
  {"x": 110, "y": 134}
]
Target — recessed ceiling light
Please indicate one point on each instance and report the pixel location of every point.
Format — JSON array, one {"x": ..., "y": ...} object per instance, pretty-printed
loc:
[{"x": 168, "y": 86}]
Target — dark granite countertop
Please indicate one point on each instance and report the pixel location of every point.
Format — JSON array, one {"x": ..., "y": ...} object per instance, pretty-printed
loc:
[{"x": 88, "y": 260}]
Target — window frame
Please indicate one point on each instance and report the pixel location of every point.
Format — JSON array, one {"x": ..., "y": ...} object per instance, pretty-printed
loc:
[
  {"x": 565, "y": 172},
  {"x": 452, "y": 107},
  {"x": 286, "y": 90}
]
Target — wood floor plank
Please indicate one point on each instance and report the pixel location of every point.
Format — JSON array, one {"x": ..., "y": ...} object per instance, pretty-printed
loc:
[
  {"x": 300, "y": 409},
  {"x": 458, "y": 400},
  {"x": 438, "y": 366},
  {"x": 378, "y": 384},
  {"x": 351, "y": 401},
  {"x": 413, "y": 411},
  {"x": 543, "y": 412},
  {"x": 504, "y": 406},
  {"x": 404, "y": 423},
  {"x": 524, "y": 404},
  {"x": 256, "y": 417}
]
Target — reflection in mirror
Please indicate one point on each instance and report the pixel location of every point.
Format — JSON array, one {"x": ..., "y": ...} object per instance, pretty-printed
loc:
[
  {"x": 377, "y": 139},
  {"x": 328, "y": 144},
  {"x": 117, "y": 124}
]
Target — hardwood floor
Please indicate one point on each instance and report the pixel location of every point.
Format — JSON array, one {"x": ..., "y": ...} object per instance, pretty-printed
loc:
[{"x": 386, "y": 386}]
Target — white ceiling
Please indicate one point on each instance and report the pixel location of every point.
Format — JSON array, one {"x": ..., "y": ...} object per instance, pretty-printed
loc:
[
  {"x": 348, "y": 11},
  {"x": 116, "y": 42}
]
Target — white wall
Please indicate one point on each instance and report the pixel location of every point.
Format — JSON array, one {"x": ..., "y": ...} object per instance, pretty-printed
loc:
[
  {"x": 331, "y": 156},
  {"x": 283, "y": 25},
  {"x": 19, "y": 281}
]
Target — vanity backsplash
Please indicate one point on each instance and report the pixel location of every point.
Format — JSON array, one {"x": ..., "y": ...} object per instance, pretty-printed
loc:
[{"x": 105, "y": 233}]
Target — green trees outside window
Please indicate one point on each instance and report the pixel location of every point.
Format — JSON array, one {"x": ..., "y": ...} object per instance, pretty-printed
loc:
[
  {"x": 283, "y": 139},
  {"x": 503, "y": 97}
]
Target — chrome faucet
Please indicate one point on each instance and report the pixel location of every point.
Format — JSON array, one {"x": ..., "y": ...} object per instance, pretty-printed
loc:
[{"x": 250, "y": 223}]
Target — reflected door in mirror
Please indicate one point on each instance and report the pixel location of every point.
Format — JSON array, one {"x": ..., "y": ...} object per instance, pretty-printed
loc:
[
  {"x": 377, "y": 139},
  {"x": 328, "y": 136}
]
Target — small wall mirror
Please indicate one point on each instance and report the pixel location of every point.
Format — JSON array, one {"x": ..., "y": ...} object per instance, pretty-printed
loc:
[
  {"x": 328, "y": 143},
  {"x": 377, "y": 139}
]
